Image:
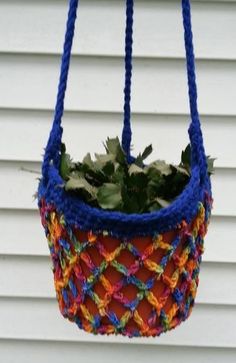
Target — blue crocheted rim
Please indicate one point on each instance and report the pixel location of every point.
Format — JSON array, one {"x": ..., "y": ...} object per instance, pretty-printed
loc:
[{"x": 120, "y": 224}]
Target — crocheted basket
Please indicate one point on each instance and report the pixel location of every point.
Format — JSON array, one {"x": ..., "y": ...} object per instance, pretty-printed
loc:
[{"x": 118, "y": 273}]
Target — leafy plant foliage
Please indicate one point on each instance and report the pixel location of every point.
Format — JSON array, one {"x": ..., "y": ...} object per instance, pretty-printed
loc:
[{"x": 109, "y": 182}]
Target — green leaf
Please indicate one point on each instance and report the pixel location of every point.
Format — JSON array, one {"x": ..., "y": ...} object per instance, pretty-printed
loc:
[
  {"x": 119, "y": 175},
  {"x": 104, "y": 158},
  {"x": 139, "y": 161},
  {"x": 79, "y": 183},
  {"x": 112, "y": 144},
  {"x": 157, "y": 204},
  {"x": 63, "y": 147},
  {"x": 108, "y": 169},
  {"x": 105, "y": 165},
  {"x": 152, "y": 172},
  {"x": 104, "y": 144},
  {"x": 66, "y": 163},
  {"x": 114, "y": 147},
  {"x": 136, "y": 181},
  {"x": 186, "y": 156},
  {"x": 75, "y": 174},
  {"x": 181, "y": 169},
  {"x": 134, "y": 169},
  {"x": 162, "y": 202},
  {"x": 154, "y": 207},
  {"x": 88, "y": 161},
  {"x": 120, "y": 156},
  {"x": 109, "y": 196},
  {"x": 130, "y": 202},
  {"x": 147, "y": 152},
  {"x": 92, "y": 170},
  {"x": 155, "y": 187},
  {"x": 210, "y": 164},
  {"x": 174, "y": 184},
  {"x": 161, "y": 166}
]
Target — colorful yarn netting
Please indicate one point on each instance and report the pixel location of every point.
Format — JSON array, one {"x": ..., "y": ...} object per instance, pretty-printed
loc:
[{"x": 135, "y": 287}]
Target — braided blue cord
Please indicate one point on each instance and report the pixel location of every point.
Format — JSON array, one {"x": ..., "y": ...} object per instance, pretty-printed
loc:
[
  {"x": 52, "y": 151},
  {"x": 196, "y": 139},
  {"x": 126, "y": 133}
]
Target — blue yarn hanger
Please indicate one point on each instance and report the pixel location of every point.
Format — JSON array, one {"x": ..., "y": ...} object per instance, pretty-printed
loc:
[
  {"x": 195, "y": 133},
  {"x": 52, "y": 151},
  {"x": 127, "y": 133}
]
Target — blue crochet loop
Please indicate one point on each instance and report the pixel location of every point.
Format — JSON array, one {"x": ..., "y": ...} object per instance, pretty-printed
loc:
[
  {"x": 127, "y": 134},
  {"x": 119, "y": 224},
  {"x": 52, "y": 152}
]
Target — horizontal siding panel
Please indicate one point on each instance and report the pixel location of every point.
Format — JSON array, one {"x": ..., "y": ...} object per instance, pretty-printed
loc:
[
  {"x": 217, "y": 283},
  {"x": 167, "y": 133},
  {"x": 28, "y": 352},
  {"x": 96, "y": 84},
  {"x": 208, "y": 326},
  {"x": 40, "y": 28},
  {"x": 220, "y": 240},
  {"x": 27, "y": 237},
  {"x": 23, "y": 273},
  {"x": 17, "y": 187},
  {"x": 214, "y": 1}
]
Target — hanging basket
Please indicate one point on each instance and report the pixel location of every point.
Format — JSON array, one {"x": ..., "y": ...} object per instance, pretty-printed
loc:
[{"x": 118, "y": 273}]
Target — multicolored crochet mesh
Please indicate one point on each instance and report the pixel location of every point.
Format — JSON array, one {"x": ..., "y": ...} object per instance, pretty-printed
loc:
[{"x": 135, "y": 287}]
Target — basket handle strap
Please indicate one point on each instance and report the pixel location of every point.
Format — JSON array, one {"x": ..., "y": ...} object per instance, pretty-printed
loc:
[
  {"x": 52, "y": 151},
  {"x": 196, "y": 139},
  {"x": 127, "y": 133}
]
